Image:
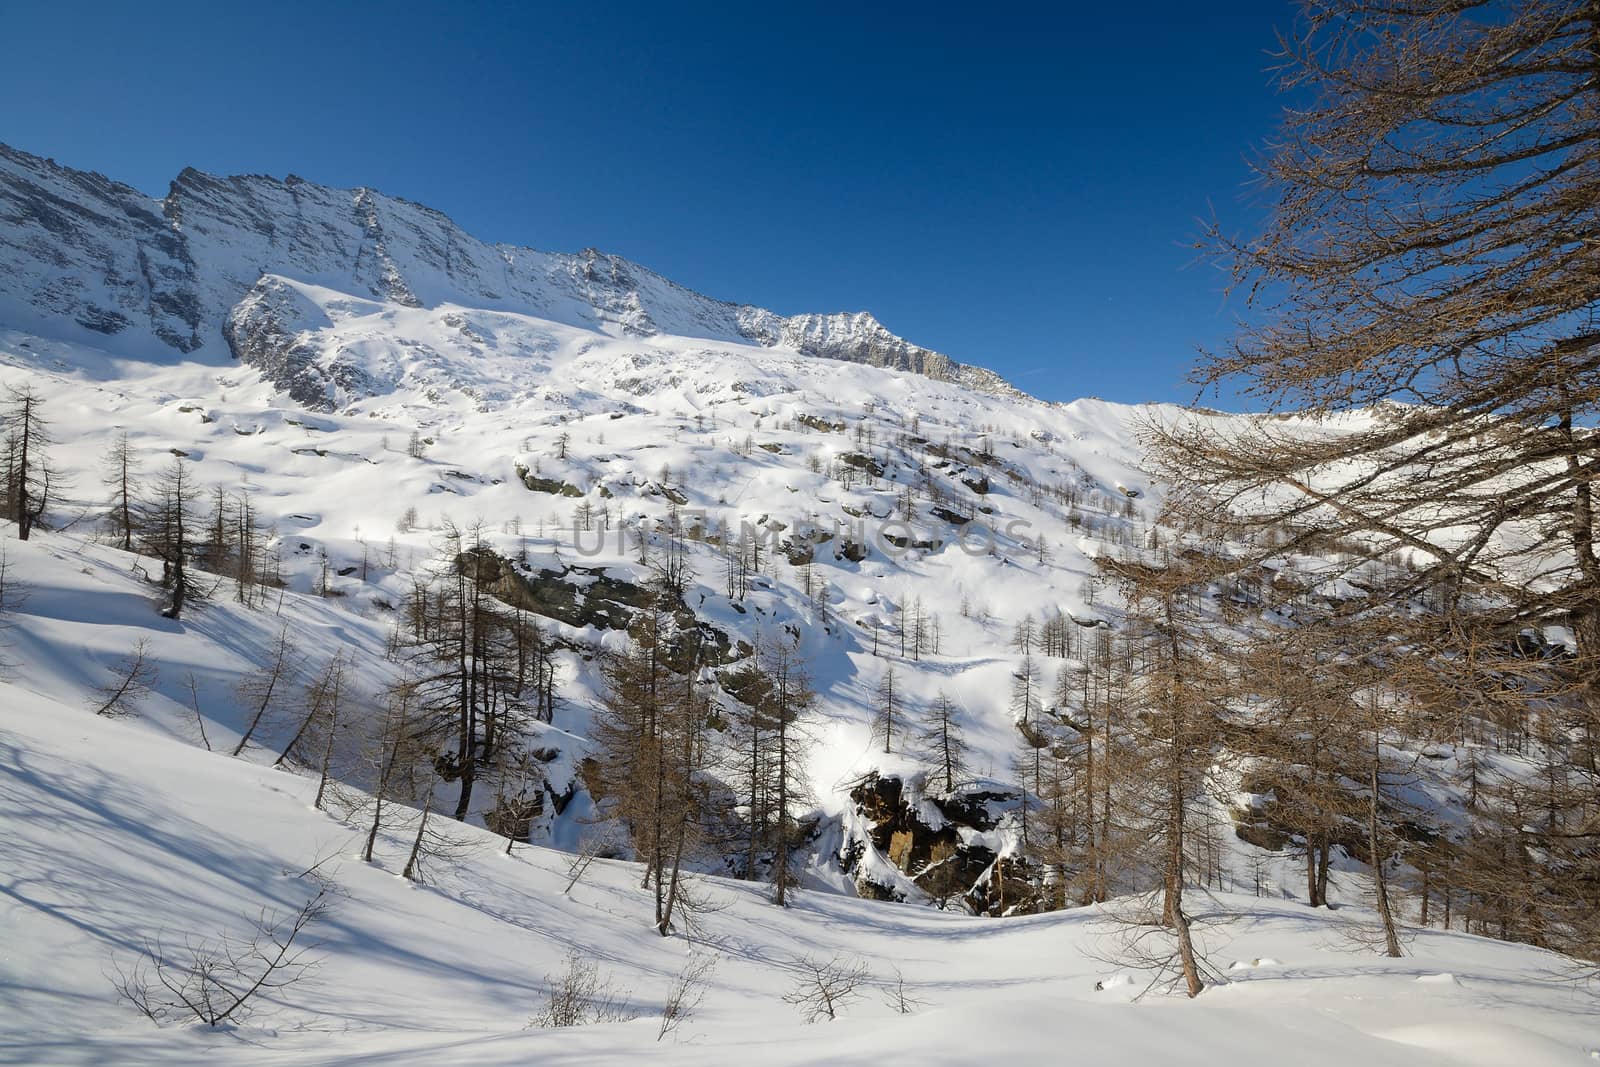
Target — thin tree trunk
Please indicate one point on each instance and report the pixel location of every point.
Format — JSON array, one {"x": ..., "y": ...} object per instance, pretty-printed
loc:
[
  {"x": 409, "y": 874},
  {"x": 300, "y": 731},
  {"x": 664, "y": 923},
  {"x": 1191, "y": 969},
  {"x": 468, "y": 676},
  {"x": 1324, "y": 849},
  {"x": 1391, "y": 939},
  {"x": 781, "y": 861},
  {"x": 327, "y": 758},
  {"x": 261, "y": 709},
  {"x": 1096, "y": 886},
  {"x": 377, "y": 799},
  {"x": 127, "y": 511},
  {"x": 757, "y": 811}
]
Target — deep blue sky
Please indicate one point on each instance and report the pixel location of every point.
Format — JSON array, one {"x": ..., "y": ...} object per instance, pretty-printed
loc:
[{"x": 1016, "y": 188}]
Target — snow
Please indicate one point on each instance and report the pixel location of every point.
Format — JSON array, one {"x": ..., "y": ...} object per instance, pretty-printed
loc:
[
  {"x": 87, "y": 259},
  {"x": 116, "y": 831},
  {"x": 329, "y": 481}
]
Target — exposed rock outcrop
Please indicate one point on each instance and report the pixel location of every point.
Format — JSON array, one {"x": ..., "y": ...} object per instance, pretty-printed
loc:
[
  {"x": 944, "y": 847},
  {"x": 271, "y": 329},
  {"x": 592, "y": 596}
]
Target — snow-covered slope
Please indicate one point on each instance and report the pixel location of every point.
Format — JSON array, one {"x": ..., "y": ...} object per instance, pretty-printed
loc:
[
  {"x": 733, "y": 437},
  {"x": 117, "y": 832},
  {"x": 544, "y": 408}
]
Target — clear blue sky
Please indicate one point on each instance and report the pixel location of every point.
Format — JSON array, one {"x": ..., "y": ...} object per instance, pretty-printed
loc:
[{"x": 1014, "y": 187}]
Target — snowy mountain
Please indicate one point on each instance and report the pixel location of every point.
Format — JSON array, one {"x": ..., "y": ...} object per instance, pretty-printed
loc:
[
  {"x": 360, "y": 378},
  {"x": 87, "y": 258}
]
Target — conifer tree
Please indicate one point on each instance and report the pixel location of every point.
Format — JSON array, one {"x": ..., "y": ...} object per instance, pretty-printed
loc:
[
  {"x": 167, "y": 535},
  {"x": 266, "y": 689},
  {"x": 391, "y": 754},
  {"x": 886, "y": 709},
  {"x": 321, "y": 701},
  {"x": 1181, "y": 690},
  {"x": 789, "y": 698},
  {"x": 944, "y": 743},
  {"x": 1429, "y": 259},
  {"x": 649, "y": 733},
  {"x": 121, "y": 476},
  {"x": 28, "y": 475}
]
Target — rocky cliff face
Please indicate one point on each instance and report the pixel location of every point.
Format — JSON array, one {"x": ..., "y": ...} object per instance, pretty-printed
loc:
[
  {"x": 81, "y": 252},
  {"x": 87, "y": 258}
]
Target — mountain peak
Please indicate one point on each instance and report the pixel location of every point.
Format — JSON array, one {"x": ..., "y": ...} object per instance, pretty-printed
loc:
[{"x": 90, "y": 259}]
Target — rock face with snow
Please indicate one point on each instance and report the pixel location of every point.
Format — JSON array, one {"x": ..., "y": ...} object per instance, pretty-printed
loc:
[
  {"x": 942, "y": 844},
  {"x": 204, "y": 270},
  {"x": 78, "y": 250},
  {"x": 273, "y": 329}
]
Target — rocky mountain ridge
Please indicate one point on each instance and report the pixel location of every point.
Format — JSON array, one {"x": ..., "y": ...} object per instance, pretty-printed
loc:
[{"x": 89, "y": 259}]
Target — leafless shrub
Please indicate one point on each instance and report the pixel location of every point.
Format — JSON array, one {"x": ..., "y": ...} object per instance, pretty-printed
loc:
[
  {"x": 896, "y": 996},
  {"x": 135, "y": 675},
  {"x": 580, "y": 996},
  {"x": 688, "y": 990},
  {"x": 825, "y": 986},
  {"x": 222, "y": 978}
]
